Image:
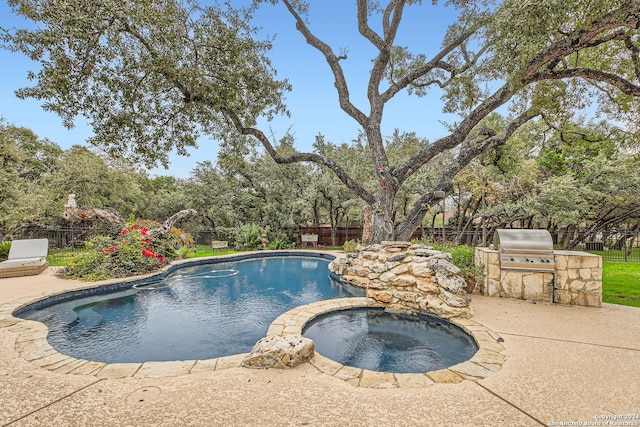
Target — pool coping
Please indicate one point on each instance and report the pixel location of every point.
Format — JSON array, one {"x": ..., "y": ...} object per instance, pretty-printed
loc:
[
  {"x": 487, "y": 360},
  {"x": 32, "y": 345}
]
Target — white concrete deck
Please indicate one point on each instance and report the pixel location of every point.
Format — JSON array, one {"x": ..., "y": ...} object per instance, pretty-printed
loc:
[{"x": 561, "y": 364}]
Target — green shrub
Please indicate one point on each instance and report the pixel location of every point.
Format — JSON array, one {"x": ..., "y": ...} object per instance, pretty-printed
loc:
[
  {"x": 184, "y": 252},
  {"x": 249, "y": 236},
  {"x": 280, "y": 243},
  {"x": 4, "y": 250},
  {"x": 131, "y": 253},
  {"x": 350, "y": 246},
  {"x": 228, "y": 234}
]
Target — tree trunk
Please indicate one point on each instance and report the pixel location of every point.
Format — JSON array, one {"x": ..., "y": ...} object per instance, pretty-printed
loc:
[
  {"x": 367, "y": 225},
  {"x": 383, "y": 228},
  {"x": 166, "y": 226},
  {"x": 71, "y": 212}
]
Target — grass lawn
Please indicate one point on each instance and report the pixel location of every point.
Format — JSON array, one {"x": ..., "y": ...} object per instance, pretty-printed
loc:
[
  {"x": 618, "y": 255},
  {"x": 206, "y": 250},
  {"x": 620, "y": 280},
  {"x": 621, "y": 283}
]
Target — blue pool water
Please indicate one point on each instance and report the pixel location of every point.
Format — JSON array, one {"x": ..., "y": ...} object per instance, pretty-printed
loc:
[
  {"x": 198, "y": 312},
  {"x": 390, "y": 342}
]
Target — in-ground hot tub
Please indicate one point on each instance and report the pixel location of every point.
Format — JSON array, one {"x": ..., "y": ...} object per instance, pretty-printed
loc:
[{"x": 377, "y": 340}]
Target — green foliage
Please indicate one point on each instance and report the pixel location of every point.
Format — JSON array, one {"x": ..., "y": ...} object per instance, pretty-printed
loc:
[
  {"x": 249, "y": 236},
  {"x": 228, "y": 234},
  {"x": 184, "y": 252},
  {"x": 131, "y": 253},
  {"x": 90, "y": 61},
  {"x": 280, "y": 243},
  {"x": 153, "y": 65},
  {"x": 350, "y": 246},
  {"x": 4, "y": 250}
]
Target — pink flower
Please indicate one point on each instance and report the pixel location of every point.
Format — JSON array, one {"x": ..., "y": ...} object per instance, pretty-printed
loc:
[{"x": 123, "y": 232}]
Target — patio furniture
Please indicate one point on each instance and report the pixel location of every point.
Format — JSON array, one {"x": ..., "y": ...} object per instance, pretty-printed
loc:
[
  {"x": 219, "y": 245},
  {"x": 307, "y": 239},
  {"x": 26, "y": 258}
]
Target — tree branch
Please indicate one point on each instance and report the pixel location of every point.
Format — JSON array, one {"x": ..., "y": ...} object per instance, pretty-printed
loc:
[
  {"x": 445, "y": 181},
  {"x": 436, "y": 62},
  {"x": 628, "y": 16},
  {"x": 622, "y": 84},
  {"x": 332, "y": 60},
  {"x": 301, "y": 157},
  {"x": 500, "y": 97},
  {"x": 166, "y": 226}
]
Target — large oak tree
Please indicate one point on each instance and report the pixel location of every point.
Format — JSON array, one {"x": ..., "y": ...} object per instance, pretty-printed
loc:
[{"x": 153, "y": 75}]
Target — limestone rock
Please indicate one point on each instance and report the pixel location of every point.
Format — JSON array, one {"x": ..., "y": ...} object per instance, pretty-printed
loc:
[
  {"x": 407, "y": 278},
  {"x": 280, "y": 352},
  {"x": 396, "y": 245}
]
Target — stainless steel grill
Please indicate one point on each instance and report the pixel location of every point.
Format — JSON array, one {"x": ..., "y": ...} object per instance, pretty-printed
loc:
[{"x": 528, "y": 250}]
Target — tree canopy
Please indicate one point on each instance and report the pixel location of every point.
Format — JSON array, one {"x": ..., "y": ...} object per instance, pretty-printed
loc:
[{"x": 153, "y": 75}]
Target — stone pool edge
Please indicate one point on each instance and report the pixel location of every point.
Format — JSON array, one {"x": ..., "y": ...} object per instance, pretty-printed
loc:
[{"x": 487, "y": 360}]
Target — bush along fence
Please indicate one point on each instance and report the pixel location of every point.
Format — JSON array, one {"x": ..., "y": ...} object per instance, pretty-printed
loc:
[{"x": 612, "y": 245}]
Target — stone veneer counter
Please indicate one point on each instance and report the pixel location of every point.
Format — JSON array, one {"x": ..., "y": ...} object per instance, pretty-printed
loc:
[{"x": 577, "y": 279}]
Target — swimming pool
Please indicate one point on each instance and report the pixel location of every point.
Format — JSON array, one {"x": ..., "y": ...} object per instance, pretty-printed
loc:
[{"x": 199, "y": 312}]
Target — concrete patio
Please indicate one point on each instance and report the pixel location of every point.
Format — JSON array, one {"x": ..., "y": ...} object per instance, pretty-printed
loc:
[{"x": 564, "y": 365}]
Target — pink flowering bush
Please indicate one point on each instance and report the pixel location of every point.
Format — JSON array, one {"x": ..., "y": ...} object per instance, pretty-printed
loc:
[{"x": 131, "y": 252}]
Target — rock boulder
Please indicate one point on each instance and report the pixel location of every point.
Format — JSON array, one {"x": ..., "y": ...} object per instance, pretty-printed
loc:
[{"x": 279, "y": 352}]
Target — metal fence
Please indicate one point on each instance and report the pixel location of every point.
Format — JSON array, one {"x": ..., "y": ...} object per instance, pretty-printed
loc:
[{"x": 612, "y": 245}]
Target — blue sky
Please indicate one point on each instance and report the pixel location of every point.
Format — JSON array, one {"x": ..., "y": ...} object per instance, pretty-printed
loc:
[{"x": 313, "y": 102}]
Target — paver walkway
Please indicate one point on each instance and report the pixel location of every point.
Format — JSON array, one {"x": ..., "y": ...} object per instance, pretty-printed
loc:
[{"x": 563, "y": 365}]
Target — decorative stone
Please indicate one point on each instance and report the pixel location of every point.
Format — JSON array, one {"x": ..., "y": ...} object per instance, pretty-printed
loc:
[
  {"x": 397, "y": 257},
  {"x": 397, "y": 245},
  {"x": 370, "y": 255},
  {"x": 425, "y": 252},
  {"x": 421, "y": 270},
  {"x": 382, "y": 297},
  {"x": 280, "y": 352},
  {"x": 400, "y": 269},
  {"x": 385, "y": 277},
  {"x": 455, "y": 300},
  {"x": 406, "y": 282}
]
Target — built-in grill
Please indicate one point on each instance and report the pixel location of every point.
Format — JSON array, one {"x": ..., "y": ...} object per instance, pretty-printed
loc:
[{"x": 528, "y": 250}]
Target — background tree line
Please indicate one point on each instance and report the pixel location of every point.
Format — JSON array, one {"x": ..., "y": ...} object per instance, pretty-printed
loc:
[
  {"x": 580, "y": 181},
  {"x": 153, "y": 77}
]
